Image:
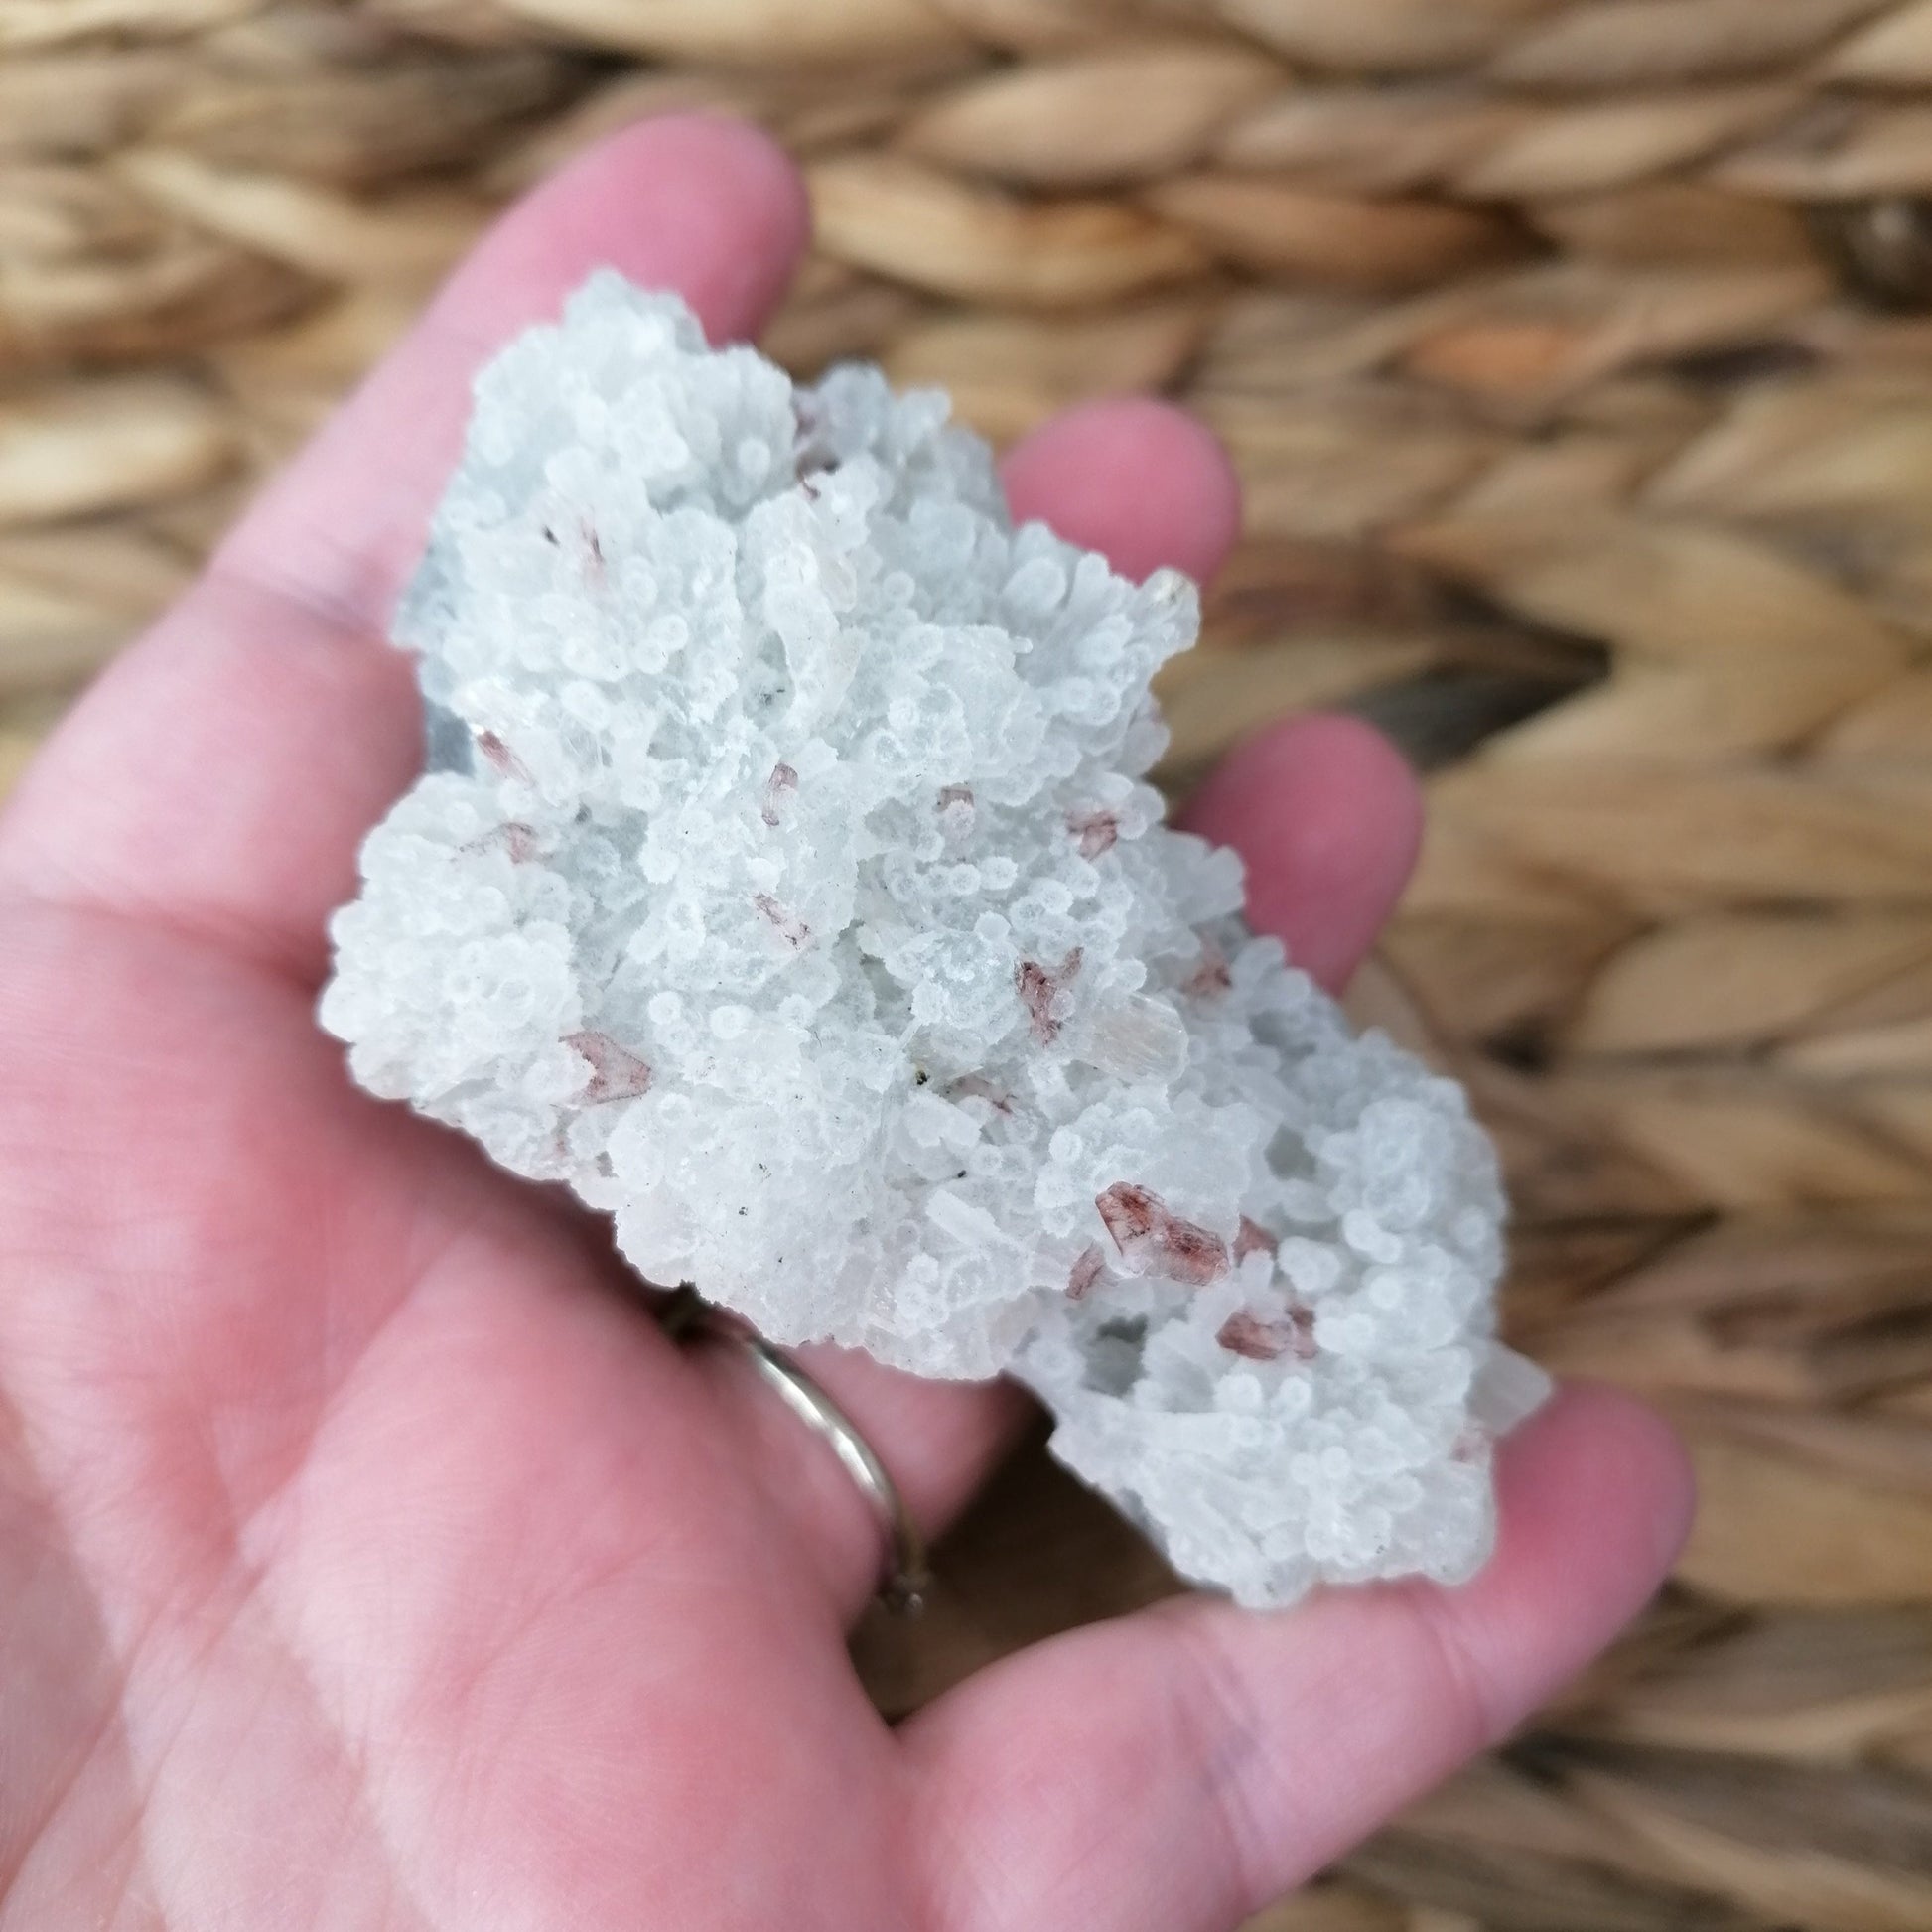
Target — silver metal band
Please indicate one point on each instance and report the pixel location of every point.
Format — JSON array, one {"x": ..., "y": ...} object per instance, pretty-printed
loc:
[{"x": 903, "y": 1575}]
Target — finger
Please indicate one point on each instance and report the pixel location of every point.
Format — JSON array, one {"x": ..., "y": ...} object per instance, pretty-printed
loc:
[
  {"x": 1328, "y": 818},
  {"x": 220, "y": 776},
  {"x": 1175, "y": 1771},
  {"x": 939, "y": 1440},
  {"x": 1143, "y": 482}
]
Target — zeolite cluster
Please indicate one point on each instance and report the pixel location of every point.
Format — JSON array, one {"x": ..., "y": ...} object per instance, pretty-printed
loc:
[{"x": 787, "y": 881}]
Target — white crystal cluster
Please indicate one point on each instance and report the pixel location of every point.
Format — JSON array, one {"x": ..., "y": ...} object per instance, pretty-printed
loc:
[{"x": 788, "y": 881}]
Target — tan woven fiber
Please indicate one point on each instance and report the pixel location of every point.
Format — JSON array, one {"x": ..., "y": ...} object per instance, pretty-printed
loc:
[{"x": 1577, "y": 358}]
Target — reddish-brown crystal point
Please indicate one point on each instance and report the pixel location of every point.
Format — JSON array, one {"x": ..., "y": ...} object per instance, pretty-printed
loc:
[
  {"x": 500, "y": 757},
  {"x": 976, "y": 1087},
  {"x": 1246, "y": 1335},
  {"x": 1086, "y": 1271},
  {"x": 1153, "y": 1240},
  {"x": 617, "y": 1073},
  {"x": 1097, "y": 832},
  {"x": 1268, "y": 1339},
  {"x": 1129, "y": 1212},
  {"x": 518, "y": 840},
  {"x": 1038, "y": 987},
  {"x": 794, "y": 932},
  {"x": 1211, "y": 975},
  {"x": 783, "y": 783},
  {"x": 1251, "y": 1238}
]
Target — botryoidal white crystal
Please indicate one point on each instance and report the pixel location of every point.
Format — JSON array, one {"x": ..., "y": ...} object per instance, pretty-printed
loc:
[{"x": 787, "y": 881}]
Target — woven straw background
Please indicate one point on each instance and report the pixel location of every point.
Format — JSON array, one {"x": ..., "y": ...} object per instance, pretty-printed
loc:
[{"x": 1575, "y": 354}]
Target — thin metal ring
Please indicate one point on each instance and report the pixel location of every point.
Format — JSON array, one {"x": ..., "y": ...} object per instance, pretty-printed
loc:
[{"x": 903, "y": 1575}]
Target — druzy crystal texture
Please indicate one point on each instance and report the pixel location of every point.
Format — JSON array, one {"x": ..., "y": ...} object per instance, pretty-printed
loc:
[{"x": 787, "y": 881}]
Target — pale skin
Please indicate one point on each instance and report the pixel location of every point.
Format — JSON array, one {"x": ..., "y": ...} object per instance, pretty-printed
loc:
[{"x": 367, "y": 1558}]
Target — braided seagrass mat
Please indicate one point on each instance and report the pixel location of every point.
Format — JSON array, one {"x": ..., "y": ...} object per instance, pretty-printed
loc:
[{"x": 1576, "y": 354}]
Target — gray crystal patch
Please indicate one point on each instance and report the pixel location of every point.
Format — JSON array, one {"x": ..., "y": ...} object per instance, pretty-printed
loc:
[{"x": 447, "y": 742}]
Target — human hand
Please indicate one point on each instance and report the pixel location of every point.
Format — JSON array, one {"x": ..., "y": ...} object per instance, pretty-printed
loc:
[{"x": 367, "y": 1558}]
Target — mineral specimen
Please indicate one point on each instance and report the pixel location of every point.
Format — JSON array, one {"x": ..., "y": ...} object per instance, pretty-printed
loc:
[{"x": 787, "y": 881}]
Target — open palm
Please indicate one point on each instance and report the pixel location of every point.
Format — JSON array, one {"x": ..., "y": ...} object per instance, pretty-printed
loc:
[{"x": 367, "y": 1558}]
